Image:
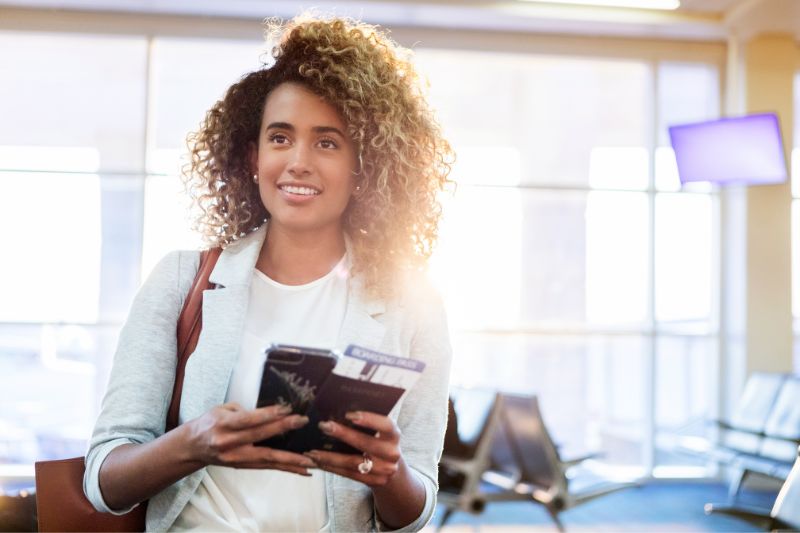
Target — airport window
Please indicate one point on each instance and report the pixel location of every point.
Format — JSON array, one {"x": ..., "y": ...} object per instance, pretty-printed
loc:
[
  {"x": 572, "y": 263},
  {"x": 186, "y": 77},
  {"x": 71, "y": 147},
  {"x": 795, "y": 172},
  {"x": 590, "y": 271}
]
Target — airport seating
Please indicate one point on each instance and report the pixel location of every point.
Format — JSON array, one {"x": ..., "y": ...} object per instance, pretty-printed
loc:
[
  {"x": 785, "y": 513},
  {"x": 472, "y": 420},
  {"x": 511, "y": 457},
  {"x": 761, "y": 436}
]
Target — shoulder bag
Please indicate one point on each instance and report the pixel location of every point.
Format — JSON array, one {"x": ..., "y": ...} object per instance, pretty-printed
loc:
[{"x": 60, "y": 502}]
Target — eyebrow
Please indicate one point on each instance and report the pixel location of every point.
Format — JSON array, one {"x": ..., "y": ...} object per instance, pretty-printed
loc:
[{"x": 315, "y": 129}]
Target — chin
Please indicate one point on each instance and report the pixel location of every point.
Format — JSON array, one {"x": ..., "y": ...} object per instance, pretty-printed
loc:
[{"x": 304, "y": 224}]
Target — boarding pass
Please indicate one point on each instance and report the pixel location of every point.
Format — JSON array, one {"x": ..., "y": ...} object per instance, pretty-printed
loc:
[{"x": 368, "y": 365}]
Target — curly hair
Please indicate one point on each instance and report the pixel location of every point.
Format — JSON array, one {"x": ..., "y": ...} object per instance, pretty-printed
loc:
[{"x": 404, "y": 160}]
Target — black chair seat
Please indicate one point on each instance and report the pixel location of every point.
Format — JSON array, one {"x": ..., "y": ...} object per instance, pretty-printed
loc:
[
  {"x": 785, "y": 513},
  {"x": 514, "y": 454}
]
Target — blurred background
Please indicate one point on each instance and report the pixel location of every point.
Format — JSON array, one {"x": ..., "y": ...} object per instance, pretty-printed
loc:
[{"x": 573, "y": 264}]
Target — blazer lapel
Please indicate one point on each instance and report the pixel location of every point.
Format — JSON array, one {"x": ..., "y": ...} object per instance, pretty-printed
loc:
[
  {"x": 360, "y": 325},
  {"x": 209, "y": 368}
]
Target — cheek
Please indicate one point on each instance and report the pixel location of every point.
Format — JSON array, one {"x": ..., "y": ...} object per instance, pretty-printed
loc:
[
  {"x": 272, "y": 166},
  {"x": 340, "y": 179},
  {"x": 268, "y": 172},
  {"x": 346, "y": 190}
]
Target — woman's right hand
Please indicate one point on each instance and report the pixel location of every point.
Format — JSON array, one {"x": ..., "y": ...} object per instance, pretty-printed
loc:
[{"x": 225, "y": 435}]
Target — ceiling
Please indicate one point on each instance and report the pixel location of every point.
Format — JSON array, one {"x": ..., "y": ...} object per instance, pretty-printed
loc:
[
  {"x": 708, "y": 6},
  {"x": 707, "y": 20}
]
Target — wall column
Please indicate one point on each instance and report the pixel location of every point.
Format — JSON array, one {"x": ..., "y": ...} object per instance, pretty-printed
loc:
[{"x": 770, "y": 63}]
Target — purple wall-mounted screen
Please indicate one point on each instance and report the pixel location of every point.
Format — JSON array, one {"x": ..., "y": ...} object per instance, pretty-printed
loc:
[{"x": 745, "y": 150}]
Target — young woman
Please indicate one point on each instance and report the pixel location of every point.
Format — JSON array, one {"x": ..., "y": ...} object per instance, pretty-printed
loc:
[{"x": 318, "y": 177}]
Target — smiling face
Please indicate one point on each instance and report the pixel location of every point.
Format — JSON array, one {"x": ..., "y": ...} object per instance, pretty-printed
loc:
[{"x": 305, "y": 161}]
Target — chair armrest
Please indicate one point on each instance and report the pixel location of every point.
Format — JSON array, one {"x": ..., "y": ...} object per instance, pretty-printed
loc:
[
  {"x": 694, "y": 422},
  {"x": 499, "y": 479},
  {"x": 573, "y": 461},
  {"x": 785, "y": 439},
  {"x": 754, "y": 515},
  {"x": 458, "y": 464},
  {"x": 724, "y": 425}
]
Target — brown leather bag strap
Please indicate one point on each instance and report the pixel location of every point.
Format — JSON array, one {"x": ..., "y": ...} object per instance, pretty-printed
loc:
[{"x": 190, "y": 323}]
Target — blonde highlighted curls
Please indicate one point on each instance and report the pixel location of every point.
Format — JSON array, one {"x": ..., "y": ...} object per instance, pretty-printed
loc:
[{"x": 404, "y": 161}]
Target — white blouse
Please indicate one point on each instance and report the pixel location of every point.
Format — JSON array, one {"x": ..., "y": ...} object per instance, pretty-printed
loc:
[{"x": 229, "y": 499}]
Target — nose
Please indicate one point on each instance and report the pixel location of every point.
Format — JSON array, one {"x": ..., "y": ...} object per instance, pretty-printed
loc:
[{"x": 300, "y": 163}]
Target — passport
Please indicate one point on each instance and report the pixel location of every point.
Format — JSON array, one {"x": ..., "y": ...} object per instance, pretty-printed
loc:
[{"x": 327, "y": 384}]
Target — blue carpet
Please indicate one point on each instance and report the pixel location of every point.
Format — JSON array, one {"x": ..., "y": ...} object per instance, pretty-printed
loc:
[{"x": 658, "y": 506}]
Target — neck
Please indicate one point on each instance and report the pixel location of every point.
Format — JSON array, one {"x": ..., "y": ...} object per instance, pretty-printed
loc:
[{"x": 297, "y": 258}]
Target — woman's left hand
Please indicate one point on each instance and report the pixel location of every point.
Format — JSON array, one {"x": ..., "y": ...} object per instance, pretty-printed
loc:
[{"x": 383, "y": 449}]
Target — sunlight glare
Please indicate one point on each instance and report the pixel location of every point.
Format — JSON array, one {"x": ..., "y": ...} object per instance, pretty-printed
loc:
[
  {"x": 618, "y": 167},
  {"x": 477, "y": 265},
  {"x": 62, "y": 211}
]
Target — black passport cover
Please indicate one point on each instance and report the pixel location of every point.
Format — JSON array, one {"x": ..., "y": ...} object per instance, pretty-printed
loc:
[{"x": 306, "y": 382}]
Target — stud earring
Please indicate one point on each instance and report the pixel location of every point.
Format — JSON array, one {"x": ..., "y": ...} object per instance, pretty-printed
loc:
[{"x": 255, "y": 178}]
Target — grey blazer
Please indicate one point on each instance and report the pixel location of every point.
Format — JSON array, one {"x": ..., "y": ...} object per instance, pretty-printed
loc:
[{"x": 135, "y": 404}]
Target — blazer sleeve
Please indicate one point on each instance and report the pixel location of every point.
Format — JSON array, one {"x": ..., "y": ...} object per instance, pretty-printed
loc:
[
  {"x": 423, "y": 416},
  {"x": 139, "y": 390}
]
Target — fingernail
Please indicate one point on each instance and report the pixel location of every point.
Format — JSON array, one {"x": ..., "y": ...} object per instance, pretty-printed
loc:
[
  {"x": 355, "y": 416},
  {"x": 299, "y": 421},
  {"x": 327, "y": 427},
  {"x": 309, "y": 462}
]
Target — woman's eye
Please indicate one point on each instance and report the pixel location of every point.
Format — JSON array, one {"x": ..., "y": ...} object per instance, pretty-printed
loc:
[
  {"x": 327, "y": 143},
  {"x": 278, "y": 138}
]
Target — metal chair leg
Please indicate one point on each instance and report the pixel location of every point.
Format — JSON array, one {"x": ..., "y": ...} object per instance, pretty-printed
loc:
[
  {"x": 554, "y": 516},
  {"x": 448, "y": 512},
  {"x": 736, "y": 485}
]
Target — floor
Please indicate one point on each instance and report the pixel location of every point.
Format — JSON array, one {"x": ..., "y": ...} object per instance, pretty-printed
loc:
[
  {"x": 657, "y": 506},
  {"x": 654, "y": 507}
]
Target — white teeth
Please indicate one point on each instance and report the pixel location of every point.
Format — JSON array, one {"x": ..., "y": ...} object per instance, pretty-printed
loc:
[{"x": 306, "y": 191}]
